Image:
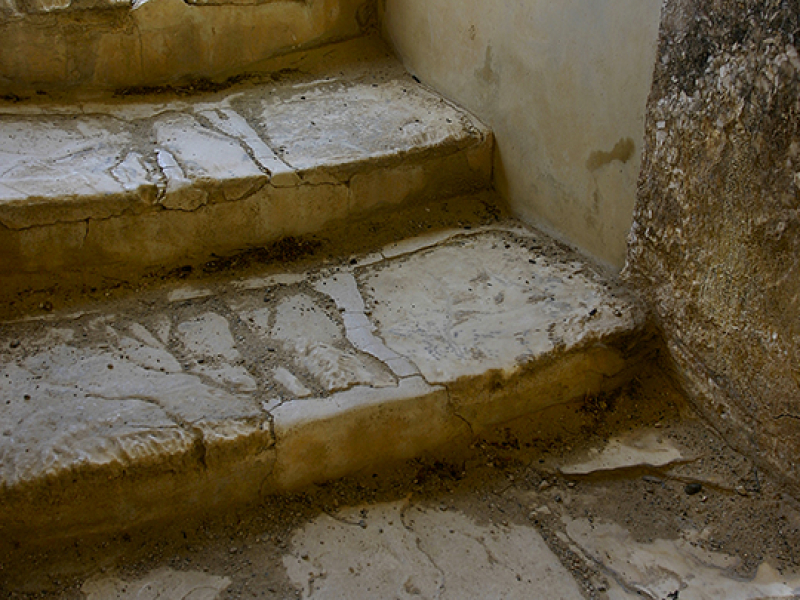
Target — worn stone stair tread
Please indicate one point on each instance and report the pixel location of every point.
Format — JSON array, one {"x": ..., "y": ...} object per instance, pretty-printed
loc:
[
  {"x": 151, "y": 180},
  {"x": 184, "y": 399}
]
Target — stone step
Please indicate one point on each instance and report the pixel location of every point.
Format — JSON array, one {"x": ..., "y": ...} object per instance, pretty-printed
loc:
[
  {"x": 127, "y": 184},
  {"x": 113, "y": 44},
  {"x": 191, "y": 398}
]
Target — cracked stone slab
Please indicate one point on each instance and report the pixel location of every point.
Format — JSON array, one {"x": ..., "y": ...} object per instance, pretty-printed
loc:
[
  {"x": 162, "y": 583},
  {"x": 304, "y": 123},
  {"x": 674, "y": 568},
  {"x": 479, "y": 312},
  {"x": 67, "y": 168},
  {"x": 144, "y": 183},
  {"x": 226, "y": 390},
  {"x": 638, "y": 449},
  {"x": 402, "y": 550},
  {"x": 87, "y": 401}
]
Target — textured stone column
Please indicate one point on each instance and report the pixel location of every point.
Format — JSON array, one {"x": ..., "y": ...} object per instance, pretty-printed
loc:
[{"x": 715, "y": 245}]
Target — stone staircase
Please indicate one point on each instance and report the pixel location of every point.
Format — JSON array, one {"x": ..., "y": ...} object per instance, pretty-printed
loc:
[
  {"x": 123, "y": 185},
  {"x": 191, "y": 395}
]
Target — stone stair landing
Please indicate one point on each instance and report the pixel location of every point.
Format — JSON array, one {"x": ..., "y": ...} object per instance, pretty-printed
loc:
[
  {"x": 162, "y": 179},
  {"x": 196, "y": 397}
]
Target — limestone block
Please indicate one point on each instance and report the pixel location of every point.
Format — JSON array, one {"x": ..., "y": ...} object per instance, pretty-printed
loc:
[
  {"x": 406, "y": 550},
  {"x": 62, "y": 170},
  {"x": 323, "y": 438},
  {"x": 447, "y": 307},
  {"x": 716, "y": 235},
  {"x": 161, "y": 583},
  {"x": 97, "y": 418},
  {"x": 330, "y": 124}
]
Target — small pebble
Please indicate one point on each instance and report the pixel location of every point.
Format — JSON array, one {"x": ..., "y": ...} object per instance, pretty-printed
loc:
[
  {"x": 693, "y": 488},
  {"x": 740, "y": 489},
  {"x": 544, "y": 485}
]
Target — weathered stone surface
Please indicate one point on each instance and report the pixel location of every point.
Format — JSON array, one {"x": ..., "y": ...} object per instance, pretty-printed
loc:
[
  {"x": 639, "y": 449},
  {"x": 65, "y": 165},
  {"x": 192, "y": 397},
  {"x": 716, "y": 238},
  {"x": 411, "y": 551},
  {"x": 673, "y": 568},
  {"x": 109, "y": 44},
  {"x": 302, "y": 123},
  {"x": 156, "y": 181},
  {"x": 482, "y": 314},
  {"x": 162, "y": 583}
]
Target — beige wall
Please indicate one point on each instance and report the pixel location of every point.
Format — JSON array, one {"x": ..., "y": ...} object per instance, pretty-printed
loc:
[{"x": 564, "y": 85}]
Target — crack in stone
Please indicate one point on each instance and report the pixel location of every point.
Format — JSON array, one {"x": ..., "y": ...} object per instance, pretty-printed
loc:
[
  {"x": 452, "y": 409},
  {"x": 787, "y": 416},
  {"x": 418, "y": 542}
]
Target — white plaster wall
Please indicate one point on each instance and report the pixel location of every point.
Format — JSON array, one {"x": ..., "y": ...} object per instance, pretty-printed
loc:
[{"x": 563, "y": 84}]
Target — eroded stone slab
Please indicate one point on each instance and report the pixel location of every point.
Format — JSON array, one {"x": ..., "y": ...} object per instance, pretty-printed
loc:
[
  {"x": 298, "y": 379},
  {"x": 638, "y": 449},
  {"x": 329, "y": 124},
  {"x": 674, "y": 568},
  {"x": 156, "y": 180},
  {"x": 159, "y": 584},
  {"x": 399, "y": 550},
  {"x": 73, "y": 160},
  {"x": 490, "y": 302}
]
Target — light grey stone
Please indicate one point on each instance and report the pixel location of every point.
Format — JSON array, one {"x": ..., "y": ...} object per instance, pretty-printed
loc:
[
  {"x": 478, "y": 303},
  {"x": 646, "y": 448},
  {"x": 402, "y": 367},
  {"x": 63, "y": 159},
  {"x": 141, "y": 333},
  {"x": 292, "y": 384},
  {"x": 337, "y": 369},
  {"x": 343, "y": 288},
  {"x": 202, "y": 153},
  {"x": 228, "y": 376},
  {"x": 157, "y": 585},
  {"x": 409, "y": 551},
  {"x": 315, "y": 127},
  {"x": 233, "y": 124},
  {"x": 299, "y": 317},
  {"x": 53, "y": 424},
  {"x": 663, "y": 567},
  {"x": 208, "y": 335}
]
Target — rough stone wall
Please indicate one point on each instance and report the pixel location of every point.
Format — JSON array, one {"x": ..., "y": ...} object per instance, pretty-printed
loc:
[{"x": 715, "y": 244}]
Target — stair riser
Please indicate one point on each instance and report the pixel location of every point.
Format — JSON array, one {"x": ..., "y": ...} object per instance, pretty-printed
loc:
[{"x": 160, "y": 41}]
